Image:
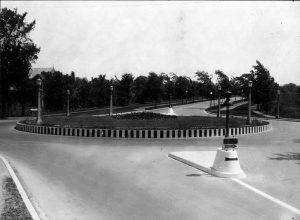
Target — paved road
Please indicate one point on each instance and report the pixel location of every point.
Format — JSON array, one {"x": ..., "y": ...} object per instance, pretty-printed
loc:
[
  {"x": 89, "y": 178},
  {"x": 189, "y": 109}
]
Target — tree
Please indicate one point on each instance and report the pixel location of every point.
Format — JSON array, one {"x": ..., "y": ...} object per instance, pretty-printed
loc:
[
  {"x": 17, "y": 53},
  {"x": 99, "y": 91},
  {"x": 206, "y": 83},
  {"x": 154, "y": 87},
  {"x": 290, "y": 101},
  {"x": 182, "y": 86},
  {"x": 55, "y": 85},
  {"x": 264, "y": 87},
  {"x": 223, "y": 81},
  {"x": 139, "y": 89},
  {"x": 124, "y": 89},
  {"x": 168, "y": 86}
]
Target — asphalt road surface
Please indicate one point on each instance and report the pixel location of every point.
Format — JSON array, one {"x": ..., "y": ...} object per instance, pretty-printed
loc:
[{"x": 90, "y": 178}]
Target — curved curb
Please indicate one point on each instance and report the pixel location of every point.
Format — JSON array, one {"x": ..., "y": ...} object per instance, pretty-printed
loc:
[
  {"x": 141, "y": 134},
  {"x": 21, "y": 190}
]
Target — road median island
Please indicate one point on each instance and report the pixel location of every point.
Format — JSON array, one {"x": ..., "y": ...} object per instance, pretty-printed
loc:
[{"x": 141, "y": 125}]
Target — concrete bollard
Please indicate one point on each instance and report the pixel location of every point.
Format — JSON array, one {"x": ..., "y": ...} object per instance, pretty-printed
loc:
[{"x": 226, "y": 163}]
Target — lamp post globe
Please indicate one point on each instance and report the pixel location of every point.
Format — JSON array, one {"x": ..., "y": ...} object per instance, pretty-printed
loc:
[
  {"x": 39, "y": 118},
  {"x": 39, "y": 82},
  {"x": 250, "y": 84}
]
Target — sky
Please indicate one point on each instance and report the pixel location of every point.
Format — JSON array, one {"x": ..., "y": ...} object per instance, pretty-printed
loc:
[{"x": 116, "y": 37}]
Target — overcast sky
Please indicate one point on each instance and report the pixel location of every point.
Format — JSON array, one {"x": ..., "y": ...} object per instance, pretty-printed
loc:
[{"x": 112, "y": 38}]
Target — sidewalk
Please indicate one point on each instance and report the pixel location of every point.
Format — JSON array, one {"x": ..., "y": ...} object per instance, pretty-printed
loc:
[{"x": 262, "y": 114}]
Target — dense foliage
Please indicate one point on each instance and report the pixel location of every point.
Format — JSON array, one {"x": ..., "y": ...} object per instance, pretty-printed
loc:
[{"x": 17, "y": 53}]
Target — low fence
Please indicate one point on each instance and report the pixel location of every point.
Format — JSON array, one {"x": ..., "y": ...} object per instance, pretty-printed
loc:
[{"x": 134, "y": 133}]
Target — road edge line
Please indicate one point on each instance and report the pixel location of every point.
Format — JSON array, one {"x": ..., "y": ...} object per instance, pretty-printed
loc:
[
  {"x": 21, "y": 190},
  {"x": 267, "y": 196}
]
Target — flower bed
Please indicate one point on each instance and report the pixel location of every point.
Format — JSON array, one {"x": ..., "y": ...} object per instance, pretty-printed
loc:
[{"x": 144, "y": 116}]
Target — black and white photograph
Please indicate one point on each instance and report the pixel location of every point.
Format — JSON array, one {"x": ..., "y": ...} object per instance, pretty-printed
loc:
[{"x": 149, "y": 110}]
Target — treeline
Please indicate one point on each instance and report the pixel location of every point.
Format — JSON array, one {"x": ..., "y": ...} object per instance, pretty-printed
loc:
[
  {"x": 153, "y": 88},
  {"x": 289, "y": 101}
]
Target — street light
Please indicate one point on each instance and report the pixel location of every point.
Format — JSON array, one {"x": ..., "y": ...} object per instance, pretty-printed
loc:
[
  {"x": 210, "y": 98},
  {"x": 227, "y": 104},
  {"x": 11, "y": 90},
  {"x": 68, "y": 102},
  {"x": 250, "y": 83},
  {"x": 111, "y": 88},
  {"x": 278, "y": 98},
  {"x": 39, "y": 118},
  {"x": 219, "y": 94},
  {"x": 170, "y": 101},
  {"x": 186, "y": 96}
]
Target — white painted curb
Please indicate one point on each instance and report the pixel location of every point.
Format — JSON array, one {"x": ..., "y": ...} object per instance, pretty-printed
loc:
[
  {"x": 21, "y": 190},
  {"x": 136, "y": 133}
]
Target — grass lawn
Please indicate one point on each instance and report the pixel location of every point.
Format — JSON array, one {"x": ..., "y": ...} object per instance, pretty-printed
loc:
[
  {"x": 241, "y": 110},
  {"x": 181, "y": 122},
  {"x": 14, "y": 207}
]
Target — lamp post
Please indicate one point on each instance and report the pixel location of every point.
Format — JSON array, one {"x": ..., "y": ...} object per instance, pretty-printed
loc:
[
  {"x": 11, "y": 90},
  {"x": 227, "y": 104},
  {"x": 214, "y": 100},
  {"x": 186, "y": 96},
  {"x": 278, "y": 98},
  {"x": 68, "y": 102},
  {"x": 219, "y": 96},
  {"x": 250, "y": 83},
  {"x": 170, "y": 101},
  {"x": 39, "y": 118},
  {"x": 210, "y": 98},
  {"x": 111, "y": 88}
]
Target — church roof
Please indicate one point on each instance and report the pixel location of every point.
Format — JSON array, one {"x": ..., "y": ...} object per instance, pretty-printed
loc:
[{"x": 37, "y": 71}]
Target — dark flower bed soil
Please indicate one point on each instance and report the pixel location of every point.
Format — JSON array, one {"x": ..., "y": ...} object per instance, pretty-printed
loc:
[{"x": 144, "y": 116}]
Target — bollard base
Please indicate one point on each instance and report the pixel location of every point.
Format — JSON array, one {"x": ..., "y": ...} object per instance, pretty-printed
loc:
[
  {"x": 226, "y": 164},
  {"x": 171, "y": 111}
]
